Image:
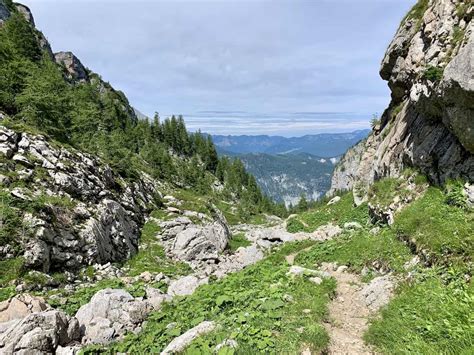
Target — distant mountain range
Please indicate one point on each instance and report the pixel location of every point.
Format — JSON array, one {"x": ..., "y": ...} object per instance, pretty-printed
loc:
[
  {"x": 285, "y": 177},
  {"x": 286, "y": 168},
  {"x": 326, "y": 145}
]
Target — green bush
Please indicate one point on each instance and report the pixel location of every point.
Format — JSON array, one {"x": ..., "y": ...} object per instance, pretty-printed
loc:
[
  {"x": 455, "y": 194},
  {"x": 433, "y": 74}
]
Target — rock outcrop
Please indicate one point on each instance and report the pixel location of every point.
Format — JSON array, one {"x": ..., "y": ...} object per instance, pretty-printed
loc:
[
  {"x": 428, "y": 124},
  {"x": 83, "y": 213},
  {"x": 73, "y": 66},
  {"x": 109, "y": 315},
  {"x": 38, "y": 333}
]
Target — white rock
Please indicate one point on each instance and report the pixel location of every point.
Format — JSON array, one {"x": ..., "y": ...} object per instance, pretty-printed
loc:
[
  {"x": 185, "y": 285},
  {"x": 316, "y": 280},
  {"x": 378, "y": 292},
  {"x": 180, "y": 343},
  {"x": 334, "y": 200}
]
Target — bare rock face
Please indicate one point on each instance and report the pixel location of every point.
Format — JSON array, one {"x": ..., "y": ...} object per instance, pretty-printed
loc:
[
  {"x": 91, "y": 215},
  {"x": 73, "y": 66},
  {"x": 26, "y": 12},
  {"x": 38, "y": 333},
  {"x": 428, "y": 124},
  {"x": 4, "y": 12}
]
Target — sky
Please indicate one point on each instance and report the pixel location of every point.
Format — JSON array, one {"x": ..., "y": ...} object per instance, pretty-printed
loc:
[{"x": 281, "y": 67}]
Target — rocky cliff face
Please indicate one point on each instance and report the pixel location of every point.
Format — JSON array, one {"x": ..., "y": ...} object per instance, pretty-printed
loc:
[
  {"x": 429, "y": 123},
  {"x": 74, "y": 209}
]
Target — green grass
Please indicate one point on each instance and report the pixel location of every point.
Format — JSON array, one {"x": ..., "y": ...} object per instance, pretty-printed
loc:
[
  {"x": 338, "y": 213},
  {"x": 431, "y": 316},
  {"x": 7, "y": 292},
  {"x": 383, "y": 192},
  {"x": 10, "y": 220},
  {"x": 192, "y": 201},
  {"x": 445, "y": 231},
  {"x": 358, "y": 250},
  {"x": 10, "y": 270},
  {"x": 238, "y": 240},
  {"x": 151, "y": 256},
  {"x": 250, "y": 306}
]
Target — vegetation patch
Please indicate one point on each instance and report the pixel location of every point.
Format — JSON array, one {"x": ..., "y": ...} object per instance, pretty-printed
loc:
[
  {"x": 338, "y": 213},
  {"x": 10, "y": 269},
  {"x": 433, "y": 74},
  {"x": 238, "y": 240},
  {"x": 151, "y": 256},
  {"x": 358, "y": 250},
  {"x": 430, "y": 316},
  {"x": 445, "y": 231},
  {"x": 261, "y": 307}
]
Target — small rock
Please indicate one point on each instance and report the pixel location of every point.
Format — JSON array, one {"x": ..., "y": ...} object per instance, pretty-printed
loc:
[
  {"x": 316, "y": 280},
  {"x": 306, "y": 311},
  {"x": 378, "y": 292},
  {"x": 146, "y": 276},
  {"x": 352, "y": 225},
  {"x": 342, "y": 268},
  {"x": 173, "y": 210},
  {"x": 334, "y": 200},
  {"x": 185, "y": 286},
  {"x": 229, "y": 343},
  {"x": 375, "y": 231}
]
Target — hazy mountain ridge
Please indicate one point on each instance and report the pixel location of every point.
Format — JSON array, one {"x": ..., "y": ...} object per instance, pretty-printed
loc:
[{"x": 325, "y": 145}]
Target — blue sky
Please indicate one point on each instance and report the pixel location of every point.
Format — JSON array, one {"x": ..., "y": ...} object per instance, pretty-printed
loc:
[{"x": 235, "y": 67}]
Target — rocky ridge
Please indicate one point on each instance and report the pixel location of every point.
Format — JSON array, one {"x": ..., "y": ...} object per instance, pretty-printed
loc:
[{"x": 428, "y": 124}]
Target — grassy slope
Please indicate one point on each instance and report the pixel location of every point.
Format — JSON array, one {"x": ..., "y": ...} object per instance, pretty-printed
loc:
[{"x": 432, "y": 310}]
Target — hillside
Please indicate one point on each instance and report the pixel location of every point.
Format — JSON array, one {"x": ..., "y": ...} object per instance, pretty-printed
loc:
[
  {"x": 120, "y": 235},
  {"x": 326, "y": 145},
  {"x": 285, "y": 178}
]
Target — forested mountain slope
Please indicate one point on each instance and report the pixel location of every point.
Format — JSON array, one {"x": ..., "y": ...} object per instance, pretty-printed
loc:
[{"x": 288, "y": 177}]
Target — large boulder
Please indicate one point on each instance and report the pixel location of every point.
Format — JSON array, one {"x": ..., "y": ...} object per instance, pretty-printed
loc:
[
  {"x": 109, "y": 315},
  {"x": 38, "y": 333},
  {"x": 201, "y": 242},
  {"x": 20, "y": 306}
]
